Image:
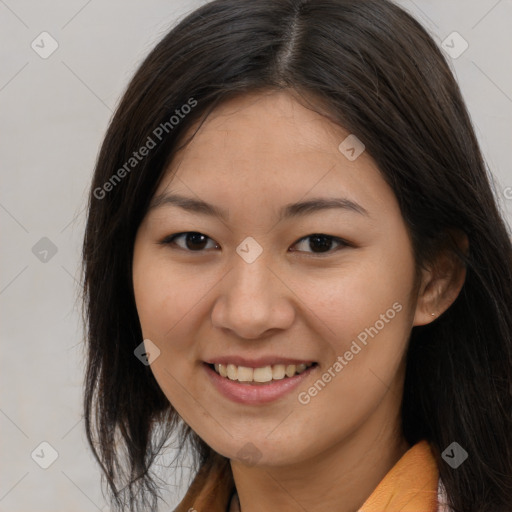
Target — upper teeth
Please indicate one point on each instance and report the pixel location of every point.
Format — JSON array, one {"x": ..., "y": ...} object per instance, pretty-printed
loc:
[{"x": 264, "y": 374}]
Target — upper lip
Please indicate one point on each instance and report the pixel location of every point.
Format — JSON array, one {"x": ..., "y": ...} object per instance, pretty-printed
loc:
[{"x": 257, "y": 362}]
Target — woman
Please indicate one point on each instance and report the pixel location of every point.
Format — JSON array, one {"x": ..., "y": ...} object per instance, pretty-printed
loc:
[{"x": 294, "y": 259}]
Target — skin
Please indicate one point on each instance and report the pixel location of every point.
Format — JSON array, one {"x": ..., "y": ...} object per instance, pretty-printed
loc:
[{"x": 253, "y": 155}]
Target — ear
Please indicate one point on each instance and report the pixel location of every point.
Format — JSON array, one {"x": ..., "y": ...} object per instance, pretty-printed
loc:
[{"x": 441, "y": 282}]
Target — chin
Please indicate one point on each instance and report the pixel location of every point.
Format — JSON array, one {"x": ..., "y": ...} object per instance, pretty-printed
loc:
[{"x": 254, "y": 452}]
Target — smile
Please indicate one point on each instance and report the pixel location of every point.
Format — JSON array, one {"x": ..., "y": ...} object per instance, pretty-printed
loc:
[
  {"x": 263, "y": 374},
  {"x": 257, "y": 386}
]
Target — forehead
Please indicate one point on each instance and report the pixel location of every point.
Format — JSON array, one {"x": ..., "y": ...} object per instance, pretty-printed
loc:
[
  {"x": 271, "y": 123},
  {"x": 271, "y": 147}
]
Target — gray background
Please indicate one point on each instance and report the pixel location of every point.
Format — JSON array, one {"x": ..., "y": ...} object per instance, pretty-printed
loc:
[{"x": 54, "y": 113}]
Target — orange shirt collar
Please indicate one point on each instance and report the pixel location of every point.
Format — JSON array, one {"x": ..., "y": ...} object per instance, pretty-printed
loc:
[{"x": 411, "y": 485}]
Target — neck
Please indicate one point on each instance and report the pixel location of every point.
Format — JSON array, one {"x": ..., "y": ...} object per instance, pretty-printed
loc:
[{"x": 343, "y": 476}]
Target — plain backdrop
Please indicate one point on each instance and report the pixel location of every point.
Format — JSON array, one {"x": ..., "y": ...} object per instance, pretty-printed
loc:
[{"x": 54, "y": 112}]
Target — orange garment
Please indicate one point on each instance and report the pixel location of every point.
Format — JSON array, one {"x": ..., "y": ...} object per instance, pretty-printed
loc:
[{"x": 411, "y": 485}]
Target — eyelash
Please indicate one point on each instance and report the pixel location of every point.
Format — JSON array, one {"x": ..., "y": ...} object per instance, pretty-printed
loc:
[{"x": 170, "y": 240}]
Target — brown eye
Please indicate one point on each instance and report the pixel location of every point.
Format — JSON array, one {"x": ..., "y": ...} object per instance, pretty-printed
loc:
[
  {"x": 320, "y": 243},
  {"x": 192, "y": 241}
]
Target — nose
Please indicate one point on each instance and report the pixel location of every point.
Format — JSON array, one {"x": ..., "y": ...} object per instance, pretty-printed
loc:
[{"x": 253, "y": 299}]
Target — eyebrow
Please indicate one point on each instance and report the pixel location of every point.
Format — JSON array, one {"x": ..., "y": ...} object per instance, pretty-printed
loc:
[{"x": 288, "y": 211}]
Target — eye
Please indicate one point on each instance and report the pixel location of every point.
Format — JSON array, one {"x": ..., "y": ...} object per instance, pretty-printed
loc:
[
  {"x": 322, "y": 242},
  {"x": 194, "y": 241}
]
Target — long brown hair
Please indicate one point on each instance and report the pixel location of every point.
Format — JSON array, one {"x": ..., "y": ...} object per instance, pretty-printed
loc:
[{"x": 375, "y": 71}]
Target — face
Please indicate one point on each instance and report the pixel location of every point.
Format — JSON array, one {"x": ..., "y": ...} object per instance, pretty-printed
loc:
[{"x": 261, "y": 286}]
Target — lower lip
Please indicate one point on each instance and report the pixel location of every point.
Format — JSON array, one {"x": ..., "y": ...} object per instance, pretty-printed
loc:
[{"x": 254, "y": 394}]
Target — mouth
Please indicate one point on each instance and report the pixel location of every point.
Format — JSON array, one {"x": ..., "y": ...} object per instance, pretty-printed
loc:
[
  {"x": 258, "y": 386},
  {"x": 262, "y": 375}
]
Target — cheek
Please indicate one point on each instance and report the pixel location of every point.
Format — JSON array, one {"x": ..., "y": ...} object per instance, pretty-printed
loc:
[
  {"x": 164, "y": 296},
  {"x": 362, "y": 315},
  {"x": 345, "y": 302},
  {"x": 166, "y": 300},
  {"x": 364, "y": 319}
]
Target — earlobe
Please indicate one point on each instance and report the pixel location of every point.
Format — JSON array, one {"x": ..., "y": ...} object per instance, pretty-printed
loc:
[{"x": 441, "y": 284}]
